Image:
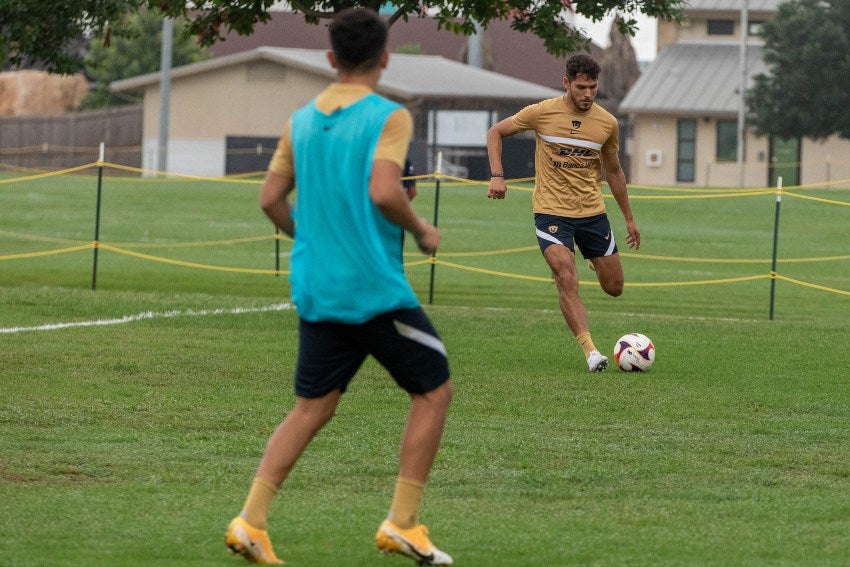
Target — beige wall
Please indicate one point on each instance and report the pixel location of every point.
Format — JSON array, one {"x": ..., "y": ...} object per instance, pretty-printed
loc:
[
  {"x": 658, "y": 134},
  {"x": 825, "y": 162},
  {"x": 695, "y": 28},
  {"x": 250, "y": 99},
  {"x": 653, "y": 134},
  {"x": 668, "y": 34},
  {"x": 820, "y": 162}
]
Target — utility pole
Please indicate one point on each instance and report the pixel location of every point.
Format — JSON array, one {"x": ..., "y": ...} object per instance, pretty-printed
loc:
[
  {"x": 742, "y": 102},
  {"x": 164, "y": 91},
  {"x": 475, "y": 48}
]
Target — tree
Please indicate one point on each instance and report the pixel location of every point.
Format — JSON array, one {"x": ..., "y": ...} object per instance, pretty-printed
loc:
[
  {"x": 135, "y": 53},
  {"x": 806, "y": 92},
  {"x": 41, "y": 32},
  {"x": 620, "y": 68}
]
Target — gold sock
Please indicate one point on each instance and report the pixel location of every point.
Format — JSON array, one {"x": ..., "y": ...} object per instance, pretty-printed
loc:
[
  {"x": 586, "y": 343},
  {"x": 260, "y": 497},
  {"x": 404, "y": 511}
]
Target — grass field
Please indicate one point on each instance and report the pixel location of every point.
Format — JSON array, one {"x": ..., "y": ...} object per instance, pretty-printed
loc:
[{"x": 130, "y": 434}]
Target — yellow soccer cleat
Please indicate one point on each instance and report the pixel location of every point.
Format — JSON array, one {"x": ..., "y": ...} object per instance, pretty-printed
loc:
[
  {"x": 412, "y": 542},
  {"x": 249, "y": 542}
]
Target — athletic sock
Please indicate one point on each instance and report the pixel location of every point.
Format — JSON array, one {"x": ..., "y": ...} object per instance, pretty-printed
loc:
[
  {"x": 586, "y": 343},
  {"x": 256, "y": 508},
  {"x": 404, "y": 511}
]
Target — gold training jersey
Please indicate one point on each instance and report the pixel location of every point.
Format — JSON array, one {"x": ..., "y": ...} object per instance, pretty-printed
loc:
[{"x": 567, "y": 157}]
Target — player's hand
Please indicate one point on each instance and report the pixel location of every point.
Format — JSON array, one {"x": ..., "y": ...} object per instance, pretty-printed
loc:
[
  {"x": 633, "y": 237},
  {"x": 497, "y": 188},
  {"x": 427, "y": 237}
]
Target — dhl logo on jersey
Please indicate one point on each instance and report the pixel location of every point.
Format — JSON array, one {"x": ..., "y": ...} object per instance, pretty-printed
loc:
[{"x": 575, "y": 152}]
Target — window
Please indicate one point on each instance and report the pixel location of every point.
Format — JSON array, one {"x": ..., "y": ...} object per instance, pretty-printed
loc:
[
  {"x": 727, "y": 140},
  {"x": 721, "y": 27},
  {"x": 686, "y": 144}
]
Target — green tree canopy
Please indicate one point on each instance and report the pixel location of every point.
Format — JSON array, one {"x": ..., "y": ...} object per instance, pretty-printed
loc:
[
  {"x": 134, "y": 53},
  {"x": 807, "y": 92},
  {"x": 39, "y": 32}
]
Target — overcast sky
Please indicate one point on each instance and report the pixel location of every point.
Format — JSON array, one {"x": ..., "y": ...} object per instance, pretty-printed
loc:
[{"x": 644, "y": 40}]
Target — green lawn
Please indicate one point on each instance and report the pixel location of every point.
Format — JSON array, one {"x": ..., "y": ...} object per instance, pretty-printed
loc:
[{"x": 134, "y": 441}]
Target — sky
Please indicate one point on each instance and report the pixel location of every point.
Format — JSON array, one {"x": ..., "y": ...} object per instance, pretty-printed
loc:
[{"x": 644, "y": 41}]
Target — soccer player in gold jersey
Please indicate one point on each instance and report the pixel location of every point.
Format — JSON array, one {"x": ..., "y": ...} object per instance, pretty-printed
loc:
[{"x": 576, "y": 140}]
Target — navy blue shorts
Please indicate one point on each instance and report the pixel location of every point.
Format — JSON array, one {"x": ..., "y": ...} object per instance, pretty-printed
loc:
[
  {"x": 404, "y": 342},
  {"x": 592, "y": 235}
]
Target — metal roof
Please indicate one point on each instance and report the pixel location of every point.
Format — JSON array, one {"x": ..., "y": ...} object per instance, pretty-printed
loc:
[
  {"x": 732, "y": 5},
  {"x": 694, "y": 78},
  {"x": 406, "y": 77}
]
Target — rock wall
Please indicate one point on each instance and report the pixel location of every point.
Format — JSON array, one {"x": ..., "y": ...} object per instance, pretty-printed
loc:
[{"x": 40, "y": 93}]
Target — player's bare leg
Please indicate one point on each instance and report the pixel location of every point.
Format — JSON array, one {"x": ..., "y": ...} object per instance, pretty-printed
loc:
[
  {"x": 609, "y": 271},
  {"x": 292, "y": 436},
  {"x": 246, "y": 534},
  {"x": 562, "y": 262},
  {"x": 423, "y": 432}
]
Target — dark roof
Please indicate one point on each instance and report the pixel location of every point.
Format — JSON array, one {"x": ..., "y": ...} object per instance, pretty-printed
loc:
[
  {"x": 509, "y": 52},
  {"x": 694, "y": 78}
]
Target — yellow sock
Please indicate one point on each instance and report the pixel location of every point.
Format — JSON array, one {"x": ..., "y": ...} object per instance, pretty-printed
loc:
[
  {"x": 260, "y": 497},
  {"x": 404, "y": 511},
  {"x": 586, "y": 343}
]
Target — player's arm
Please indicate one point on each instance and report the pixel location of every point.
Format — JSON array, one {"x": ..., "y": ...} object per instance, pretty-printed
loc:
[
  {"x": 386, "y": 192},
  {"x": 616, "y": 179},
  {"x": 385, "y": 187},
  {"x": 279, "y": 183},
  {"x": 499, "y": 130},
  {"x": 274, "y": 200}
]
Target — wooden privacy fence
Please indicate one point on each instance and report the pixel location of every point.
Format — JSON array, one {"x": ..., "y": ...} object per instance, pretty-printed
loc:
[{"x": 66, "y": 140}]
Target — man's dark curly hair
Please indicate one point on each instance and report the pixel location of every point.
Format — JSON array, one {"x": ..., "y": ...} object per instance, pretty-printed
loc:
[{"x": 581, "y": 64}]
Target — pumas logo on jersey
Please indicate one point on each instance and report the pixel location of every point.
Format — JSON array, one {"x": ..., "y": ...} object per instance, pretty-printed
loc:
[
  {"x": 553, "y": 229},
  {"x": 576, "y": 124}
]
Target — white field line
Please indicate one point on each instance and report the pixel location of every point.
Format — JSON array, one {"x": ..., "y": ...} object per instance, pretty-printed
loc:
[{"x": 145, "y": 315}]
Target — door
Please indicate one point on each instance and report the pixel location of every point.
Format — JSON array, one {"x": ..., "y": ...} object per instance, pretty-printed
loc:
[{"x": 784, "y": 162}]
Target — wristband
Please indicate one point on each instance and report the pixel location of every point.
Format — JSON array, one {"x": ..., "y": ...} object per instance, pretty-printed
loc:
[{"x": 497, "y": 175}]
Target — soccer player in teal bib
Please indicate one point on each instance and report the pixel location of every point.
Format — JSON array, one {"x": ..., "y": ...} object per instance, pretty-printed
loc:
[{"x": 344, "y": 153}]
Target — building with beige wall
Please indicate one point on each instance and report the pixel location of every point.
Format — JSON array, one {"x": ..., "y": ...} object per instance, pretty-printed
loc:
[
  {"x": 684, "y": 109},
  {"x": 252, "y": 93}
]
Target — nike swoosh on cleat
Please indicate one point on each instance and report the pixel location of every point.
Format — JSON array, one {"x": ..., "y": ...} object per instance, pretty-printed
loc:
[{"x": 423, "y": 558}]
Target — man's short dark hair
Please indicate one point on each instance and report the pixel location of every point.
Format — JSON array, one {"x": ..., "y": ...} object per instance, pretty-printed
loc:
[
  {"x": 358, "y": 38},
  {"x": 581, "y": 64}
]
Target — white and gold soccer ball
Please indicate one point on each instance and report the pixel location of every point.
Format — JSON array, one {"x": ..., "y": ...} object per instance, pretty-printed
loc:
[{"x": 634, "y": 353}]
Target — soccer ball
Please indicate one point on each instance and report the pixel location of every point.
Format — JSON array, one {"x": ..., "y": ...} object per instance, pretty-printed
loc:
[{"x": 634, "y": 353}]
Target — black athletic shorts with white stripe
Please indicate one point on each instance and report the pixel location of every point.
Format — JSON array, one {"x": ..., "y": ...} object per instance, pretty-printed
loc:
[
  {"x": 592, "y": 235},
  {"x": 404, "y": 342}
]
